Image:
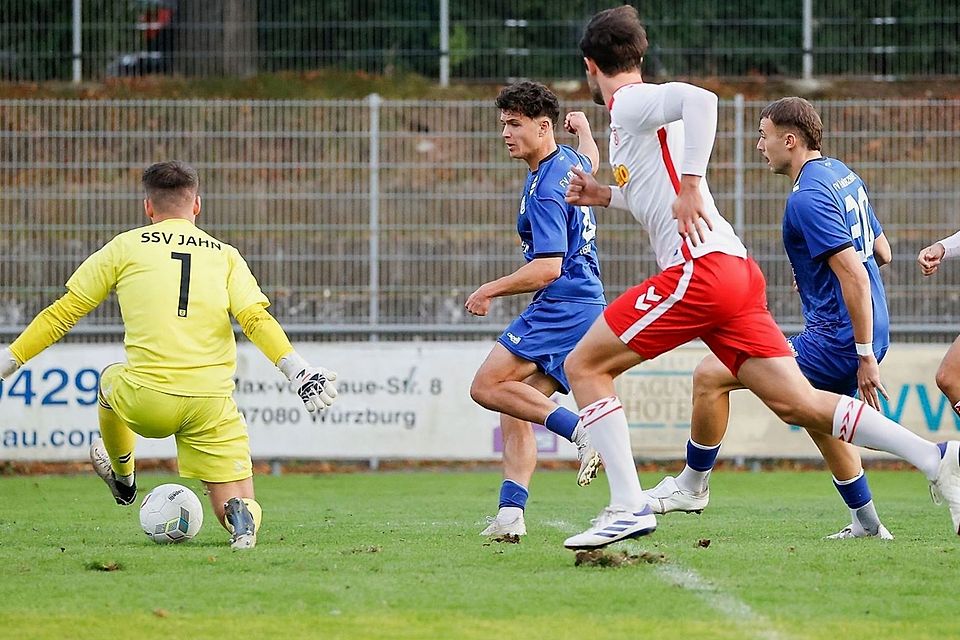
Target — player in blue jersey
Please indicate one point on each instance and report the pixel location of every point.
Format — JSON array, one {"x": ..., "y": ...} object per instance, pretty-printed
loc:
[
  {"x": 835, "y": 245},
  {"x": 525, "y": 367}
]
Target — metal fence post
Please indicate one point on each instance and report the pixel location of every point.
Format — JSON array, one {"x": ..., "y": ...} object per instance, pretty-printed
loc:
[
  {"x": 374, "y": 101},
  {"x": 739, "y": 110},
  {"x": 260, "y": 154},
  {"x": 808, "y": 39},
  {"x": 77, "y": 41},
  {"x": 444, "y": 43}
]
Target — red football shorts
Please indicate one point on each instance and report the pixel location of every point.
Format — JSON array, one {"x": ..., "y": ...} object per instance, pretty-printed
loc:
[{"x": 718, "y": 298}]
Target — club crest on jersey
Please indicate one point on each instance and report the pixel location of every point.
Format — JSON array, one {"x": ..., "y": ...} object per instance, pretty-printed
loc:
[{"x": 621, "y": 174}]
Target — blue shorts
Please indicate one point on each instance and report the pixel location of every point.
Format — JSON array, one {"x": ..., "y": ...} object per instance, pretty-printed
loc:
[
  {"x": 824, "y": 367},
  {"x": 547, "y": 331}
]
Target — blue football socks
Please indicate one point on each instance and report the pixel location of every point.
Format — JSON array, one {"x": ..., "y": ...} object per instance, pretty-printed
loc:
[
  {"x": 513, "y": 494},
  {"x": 562, "y": 422},
  {"x": 855, "y": 492},
  {"x": 701, "y": 457}
]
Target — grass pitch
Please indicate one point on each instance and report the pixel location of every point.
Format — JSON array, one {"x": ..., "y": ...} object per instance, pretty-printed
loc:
[{"x": 397, "y": 555}]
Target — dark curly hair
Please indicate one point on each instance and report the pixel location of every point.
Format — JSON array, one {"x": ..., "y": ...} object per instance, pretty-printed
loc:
[{"x": 531, "y": 99}]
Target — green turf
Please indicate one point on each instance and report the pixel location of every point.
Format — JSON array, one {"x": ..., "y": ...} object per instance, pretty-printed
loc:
[{"x": 397, "y": 555}]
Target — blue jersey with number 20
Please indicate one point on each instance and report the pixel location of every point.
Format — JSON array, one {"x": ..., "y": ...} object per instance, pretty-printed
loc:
[
  {"x": 827, "y": 212},
  {"x": 549, "y": 227}
]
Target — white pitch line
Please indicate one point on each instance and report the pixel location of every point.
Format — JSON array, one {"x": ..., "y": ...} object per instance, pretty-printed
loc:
[
  {"x": 730, "y": 606},
  {"x": 562, "y": 526},
  {"x": 738, "y": 611}
]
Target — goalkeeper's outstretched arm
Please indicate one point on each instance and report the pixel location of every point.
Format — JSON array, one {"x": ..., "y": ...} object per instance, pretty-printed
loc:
[
  {"x": 50, "y": 325},
  {"x": 314, "y": 384}
]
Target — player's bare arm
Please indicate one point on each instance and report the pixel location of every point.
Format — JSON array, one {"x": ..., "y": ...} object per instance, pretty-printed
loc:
[
  {"x": 882, "y": 252},
  {"x": 533, "y": 276},
  {"x": 576, "y": 123},
  {"x": 584, "y": 190},
  {"x": 855, "y": 287}
]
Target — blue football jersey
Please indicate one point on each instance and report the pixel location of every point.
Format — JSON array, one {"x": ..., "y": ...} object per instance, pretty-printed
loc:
[
  {"x": 549, "y": 227},
  {"x": 827, "y": 212}
]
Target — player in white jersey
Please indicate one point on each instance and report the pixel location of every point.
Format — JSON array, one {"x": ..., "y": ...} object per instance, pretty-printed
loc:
[
  {"x": 948, "y": 373},
  {"x": 836, "y": 246},
  {"x": 647, "y": 146},
  {"x": 708, "y": 289}
]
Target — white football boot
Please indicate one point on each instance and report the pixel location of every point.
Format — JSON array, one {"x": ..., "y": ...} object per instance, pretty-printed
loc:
[
  {"x": 946, "y": 487},
  {"x": 849, "y": 532},
  {"x": 614, "y": 525},
  {"x": 588, "y": 456},
  {"x": 124, "y": 494},
  {"x": 497, "y": 528},
  {"x": 667, "y": 496}
]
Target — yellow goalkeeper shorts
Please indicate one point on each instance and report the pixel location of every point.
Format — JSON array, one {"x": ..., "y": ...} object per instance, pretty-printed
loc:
[{"x": 211, "y": 435}]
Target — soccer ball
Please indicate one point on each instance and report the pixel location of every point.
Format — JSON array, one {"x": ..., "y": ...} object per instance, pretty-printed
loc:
[{"x": 171, "y": 513}]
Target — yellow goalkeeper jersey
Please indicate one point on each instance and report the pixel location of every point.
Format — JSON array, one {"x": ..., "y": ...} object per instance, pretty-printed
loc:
[{"x": 177, "y": 287}]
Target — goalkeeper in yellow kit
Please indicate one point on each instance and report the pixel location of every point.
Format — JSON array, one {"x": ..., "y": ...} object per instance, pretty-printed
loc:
[{"x": 177, "y": 288}]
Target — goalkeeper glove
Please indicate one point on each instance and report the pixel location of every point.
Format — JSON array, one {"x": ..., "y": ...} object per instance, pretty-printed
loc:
[
  {"x": 314, "y": 384},
  {"x": 8, "y": 364}
]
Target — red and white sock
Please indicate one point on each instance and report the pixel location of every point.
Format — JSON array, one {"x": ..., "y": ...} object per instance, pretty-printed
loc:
[
  {"x": 859, "y": 424},
  {"x": 610, "y": 435}
]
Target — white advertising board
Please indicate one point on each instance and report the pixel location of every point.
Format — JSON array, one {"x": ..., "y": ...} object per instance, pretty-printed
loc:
[
  {"x": 411, "y": 401},
  {"x": 657, "y": 398}
]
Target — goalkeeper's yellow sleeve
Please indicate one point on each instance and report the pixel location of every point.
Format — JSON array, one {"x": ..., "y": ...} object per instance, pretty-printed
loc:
[
  {"x": 264, "y": 331},
  {"x": 50, "y": 325}
]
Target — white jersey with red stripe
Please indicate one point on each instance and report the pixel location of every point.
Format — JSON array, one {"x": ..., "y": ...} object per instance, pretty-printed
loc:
[{"x": 647, "y": 152}]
